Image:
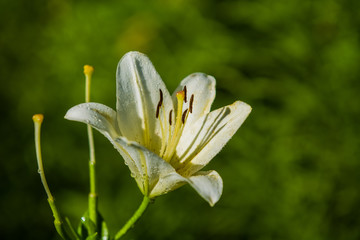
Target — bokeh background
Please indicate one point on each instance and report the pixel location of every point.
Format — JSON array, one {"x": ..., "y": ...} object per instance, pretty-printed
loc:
[{"x": 291, "y": 172}]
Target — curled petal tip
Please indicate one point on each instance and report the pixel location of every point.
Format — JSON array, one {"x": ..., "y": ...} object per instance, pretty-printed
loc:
[{"x": 38, "y": 118}]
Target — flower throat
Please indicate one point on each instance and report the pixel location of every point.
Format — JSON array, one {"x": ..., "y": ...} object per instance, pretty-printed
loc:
[{"x": 169, "y": 138}]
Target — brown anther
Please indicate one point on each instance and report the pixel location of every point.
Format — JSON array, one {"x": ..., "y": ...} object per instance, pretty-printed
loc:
[
  {"x": 184, "y": 116},
  {"x": 161, "y": 97},
  {"x": 191, "y": 103},
  {"x": 159, "y": 104},
  {"x": 185, "y": 98},
  {"x": 170, "y": 116},
  {"x": 158, "y": 110}
]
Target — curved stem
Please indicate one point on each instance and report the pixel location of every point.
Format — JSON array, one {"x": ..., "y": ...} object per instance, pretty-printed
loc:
[
  {"x": 134, "y": 218},
  {"x": 38, "y": 118},
  {"x": 65, "y": 230}
]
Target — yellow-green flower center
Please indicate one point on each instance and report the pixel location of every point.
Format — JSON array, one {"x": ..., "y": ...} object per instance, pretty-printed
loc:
[{"x": 169, "y": 137}]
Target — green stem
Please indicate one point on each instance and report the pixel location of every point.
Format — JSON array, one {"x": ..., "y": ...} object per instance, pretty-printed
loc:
[
  {"x": 92, "y": 163},
  {"x": 134, "y": 218},
  {"x": 64, "y": 230},
  {"x": 92, "y": 195},
  {"x": 57, "y": 218},
  {"x": 38, "y": 118}
]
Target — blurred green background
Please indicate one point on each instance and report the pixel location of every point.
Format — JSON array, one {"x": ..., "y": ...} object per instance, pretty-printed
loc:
[{"x": 291, "y": 172}]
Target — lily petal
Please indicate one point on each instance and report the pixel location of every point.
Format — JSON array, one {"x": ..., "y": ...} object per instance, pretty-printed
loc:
[
  {"x": 97, "y": 115},
  {"x": 208, "y": 184},
  {"x": 207, "y": 136},
  {"x": 138, "y": 88},
  {"x": 202, "y": 86},
  {"x": 103, "y": 119},
  {"x": 155, "y": 176}
]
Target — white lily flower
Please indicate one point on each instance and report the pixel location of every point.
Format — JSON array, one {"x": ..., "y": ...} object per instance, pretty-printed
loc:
[{"x": 165, "y": 140}]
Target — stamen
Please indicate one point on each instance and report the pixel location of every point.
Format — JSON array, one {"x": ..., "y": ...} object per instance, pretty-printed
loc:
[
  {"x": 159, "y": 104},
  {"x": 163, "y": 133},
  {"x": 158, "y": 110},
  {"x": 191, "y": 103},
  {"x": 170, "y": 115},
  {"x": 167, "y": 140},
  {"x": 183, "y": 117},
  {"x": 161, "y": 97},
  {"x": 185, "y": 98}
]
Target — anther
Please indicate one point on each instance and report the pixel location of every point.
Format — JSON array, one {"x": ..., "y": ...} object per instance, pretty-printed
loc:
[
  {"x": 158, "y": 110},
  {"x": 159, "y": 104},
  {"x": 161, "y": 97},
  {"x": 191, "y": 103},
  {"x": 170, "y": 115},
  {"x": 183, "y": 117},
  {"x": 185, "y": 98}
]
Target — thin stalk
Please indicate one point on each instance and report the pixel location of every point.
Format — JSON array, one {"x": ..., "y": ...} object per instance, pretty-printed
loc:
[
  {"x": 38, "y": 119},
  {"x": 144, "y": 204},
  {"x": 65, "y": 231},
  {"x": 93, "y": 198},
  {"x": 88, "y": 70}
]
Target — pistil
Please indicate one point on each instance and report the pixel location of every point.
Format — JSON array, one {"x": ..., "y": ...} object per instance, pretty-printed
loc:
[{"x": 178, "y": 127}]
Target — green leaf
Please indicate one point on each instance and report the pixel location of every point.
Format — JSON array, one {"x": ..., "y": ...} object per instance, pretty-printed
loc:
[
  {"x": 92, "y": 237},
  {"x": 70, "y": 230},
  {"x": 86, "y": 227},
  {"x": 88, "y": 231},
  {"x": 104, "y": 230}
]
